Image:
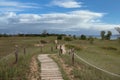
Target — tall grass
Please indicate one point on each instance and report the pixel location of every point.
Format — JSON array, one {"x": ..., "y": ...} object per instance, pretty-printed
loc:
[
  {"x": 20, "y": 70},
  {"x": 9, "y": 70},
  {"x": 82, "y": 71}
]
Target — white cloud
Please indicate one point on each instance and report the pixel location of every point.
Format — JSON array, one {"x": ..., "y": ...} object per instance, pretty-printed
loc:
[
  {"x": 67, "y": 3},
  {"x": 6, "y": 6},
  {"x": 17, "y": 4},
  {"x": 70, "y": 21}
]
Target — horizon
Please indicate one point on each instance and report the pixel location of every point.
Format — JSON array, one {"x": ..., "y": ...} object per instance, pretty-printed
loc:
[{"x": 64, "y": 17}]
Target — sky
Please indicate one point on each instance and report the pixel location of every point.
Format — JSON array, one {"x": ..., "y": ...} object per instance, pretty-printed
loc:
[{"x": 59, "y": 16}]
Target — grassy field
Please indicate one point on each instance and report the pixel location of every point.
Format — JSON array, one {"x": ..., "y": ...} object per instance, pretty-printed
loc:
[
  {"x": 103, "y": 54},
  {"x": 19, "y": 71}
]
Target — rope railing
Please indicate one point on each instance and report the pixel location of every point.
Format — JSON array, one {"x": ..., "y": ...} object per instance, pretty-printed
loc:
[
  {"x": 113, "y": 74},
  {"x": 5, "y": 57}
]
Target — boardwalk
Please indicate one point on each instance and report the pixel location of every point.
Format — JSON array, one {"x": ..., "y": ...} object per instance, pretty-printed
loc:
[{"x": 49, "y": 69}]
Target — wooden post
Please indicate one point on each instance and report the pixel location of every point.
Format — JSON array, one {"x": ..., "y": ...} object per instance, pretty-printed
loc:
[
  {"x": 73, "y": 57},
  {"x": 60, "y": 52},
  {"x": 56, "y": 43},
  {"x": 69, "y": 52},
  {"x": 16, "y": 54}
]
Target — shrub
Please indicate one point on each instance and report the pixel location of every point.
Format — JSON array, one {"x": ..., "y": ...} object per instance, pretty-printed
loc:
[
  {"x": 118, "y": 39},
  {"x": 78, "y": 48},
  {"x": 43, "y": 41},
  {"x": 74, "y": 37},
  {"x": 83, "y": 37},
  {"x": 59, "y": 37},
  {"x": 91, "y": 39},
  {"x": 67, "y": 38},
  {"x": 109, "y": 48}
]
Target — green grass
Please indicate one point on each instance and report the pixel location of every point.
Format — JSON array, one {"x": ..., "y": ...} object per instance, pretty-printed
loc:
[
  {"x": 82, "y": 71},
  {"x": 97, "y": 54},
  {"x": 19, "y": 71},
  {"x": 103, "y": 54},
  {"x": 107, "y": 59},
  {"x": 64, "y": 75}
]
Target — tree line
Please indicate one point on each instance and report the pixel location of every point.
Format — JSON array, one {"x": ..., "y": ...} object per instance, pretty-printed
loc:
[
  {"x": 103, "y": 34},
  {"x": 30, "y": 35}
]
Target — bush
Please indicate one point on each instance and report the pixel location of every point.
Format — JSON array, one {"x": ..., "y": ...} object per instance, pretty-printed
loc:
[
  {"x": 74, "y": 37},
  {"x": 59, "y": 37},
  {"x": 118, "y": 39},
  {"x": 43, "y": 41},
  {"x": 83, "y": 37},
  {"x": 91, "y": 39},
  {"x": 67, "y": 38},
  {"x": 78, "y": 48},
  {"x": 109, "y": 48}
]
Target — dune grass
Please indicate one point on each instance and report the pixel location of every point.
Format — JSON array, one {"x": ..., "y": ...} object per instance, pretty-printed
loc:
[
  {"x": 19, "y": 71},
  {"x": 81, "y": 70},
  {"x": 103, "y": 54}
]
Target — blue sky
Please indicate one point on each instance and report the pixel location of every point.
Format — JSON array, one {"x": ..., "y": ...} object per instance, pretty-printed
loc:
[{"x": 59, "y": 16}]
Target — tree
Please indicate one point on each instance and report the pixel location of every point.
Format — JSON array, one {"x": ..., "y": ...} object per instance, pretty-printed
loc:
[
  {"x": 109, "y": 34},
  {"x": 67, "y": 38},
  {"x": 74, "y": 36},
  {"x": 59, "y": 37},
  {"x": 44, "y": 33},
  {"x": 102, "y": 35},
  {"x": 83, "y": 37}
]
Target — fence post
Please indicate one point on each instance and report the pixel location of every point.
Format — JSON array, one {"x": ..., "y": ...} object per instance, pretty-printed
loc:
[
  {"x": 73, "y": 57},
  {"x": 56, "y": 45},
  {"x": 60, "y": 51},
  {"x": 16, "y": 54}
]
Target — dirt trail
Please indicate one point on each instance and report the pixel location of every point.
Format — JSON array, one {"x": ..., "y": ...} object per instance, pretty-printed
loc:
[{"x": 34, "y": 70}]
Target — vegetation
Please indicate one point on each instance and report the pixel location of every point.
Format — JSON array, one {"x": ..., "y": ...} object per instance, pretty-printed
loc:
[
  {"x": 68, "y": 38},
  {"x": 74, "y": 37},
  {"x": 19, "y": 71},
  {"x": 31, "y": 35},
  {"x": 59, "y": 37},
  {"x": 91, "y": 39},
  {"x": 80, "y": 70},
  {"x": 83, "y": 37},
  {"x": 76, "y": 47},
  {"x": 43, "y": 41},
  {"x": 103, "y": 35},
  {"x": 108, "y": 36},
  {"x": 103, "y": 54},
  {"x": 118, "y": 30}
]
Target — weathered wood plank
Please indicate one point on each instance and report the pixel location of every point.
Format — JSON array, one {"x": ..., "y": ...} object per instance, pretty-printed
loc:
[{"x": 49, "y": 69}]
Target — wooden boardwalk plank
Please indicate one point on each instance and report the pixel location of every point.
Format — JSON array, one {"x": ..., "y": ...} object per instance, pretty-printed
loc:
[{"x": 49, "y": 69}]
